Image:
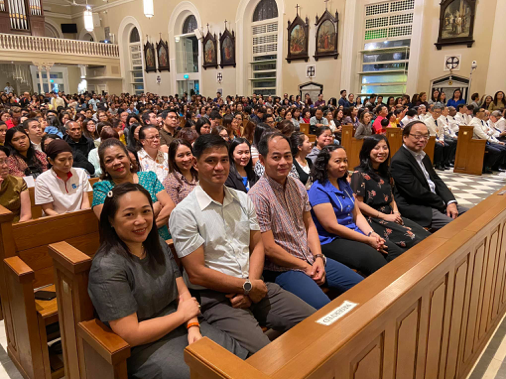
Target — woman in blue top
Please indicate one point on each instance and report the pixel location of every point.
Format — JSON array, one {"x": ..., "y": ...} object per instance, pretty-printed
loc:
[
  {"x": 116, "y": 169},
  {"x": 456, "y": 99},
  {"x": 345, "y": 234}
]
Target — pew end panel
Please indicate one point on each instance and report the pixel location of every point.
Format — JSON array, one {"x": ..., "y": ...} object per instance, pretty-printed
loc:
[
  {"x": 304, "y": 128},
  {"x": 24, "y": 324},
  {"x": 394, "y": 136},
  {"x": 429, "y": 148},
  {"x": 208, "y": 360},
  {"x": 105, "y": 353},
  {"x": 470, "y": 152},
  {"x": 71, "y": 268},
  {"x": 352, "y": 145}
]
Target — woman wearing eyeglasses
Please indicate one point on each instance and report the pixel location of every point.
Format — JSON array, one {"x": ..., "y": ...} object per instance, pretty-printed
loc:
[{"x": 151, "y": 158}]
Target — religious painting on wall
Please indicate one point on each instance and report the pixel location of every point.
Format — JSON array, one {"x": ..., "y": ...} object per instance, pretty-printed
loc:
[
  {"x": 210, "y": 51},
  {"x": 149, "y": 57},
  {"x": 298, "y": 32},
  {"x": 456, "y": 23},
  {"x": 162, "y": 49},
  {"x": 326, "y": 36},
  {"x": 227, "y": 48}
]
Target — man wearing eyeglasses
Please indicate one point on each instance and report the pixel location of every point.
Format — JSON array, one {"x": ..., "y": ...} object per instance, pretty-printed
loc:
[
  {"x": 170, "y": 121},
  {"x": 420, "y": 193}
]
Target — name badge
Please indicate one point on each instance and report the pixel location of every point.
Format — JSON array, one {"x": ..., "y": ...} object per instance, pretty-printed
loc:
[{"x": 337, "y": 313}]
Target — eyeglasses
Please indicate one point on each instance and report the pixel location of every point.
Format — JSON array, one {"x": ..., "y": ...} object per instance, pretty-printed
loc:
[
  {"x": 418, "y": 137},
  {"x": 153, "y": 137}
]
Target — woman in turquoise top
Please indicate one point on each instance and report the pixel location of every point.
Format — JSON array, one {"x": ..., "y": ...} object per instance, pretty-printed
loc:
[{"x": 116, "y": 169}]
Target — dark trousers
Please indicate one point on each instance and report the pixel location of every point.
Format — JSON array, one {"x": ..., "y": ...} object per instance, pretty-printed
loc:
[
  {"x": 451, "y": 150},
  {"x": 356, "y": 255},
  {"x": 338, "y": 277},
  {"x": 501, "y": 161},
  {"x": 493, "y": 156},
  {"x": 279, "y": 310}
]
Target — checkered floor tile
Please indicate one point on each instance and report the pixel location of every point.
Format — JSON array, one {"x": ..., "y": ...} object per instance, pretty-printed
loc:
[{"x": 469, "y": 190}]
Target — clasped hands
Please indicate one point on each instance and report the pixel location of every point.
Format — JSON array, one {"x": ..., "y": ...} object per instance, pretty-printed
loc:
[{"x": 257, "y": 293}]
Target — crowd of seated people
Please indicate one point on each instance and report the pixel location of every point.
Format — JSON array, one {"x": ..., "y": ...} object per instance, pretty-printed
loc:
[{"x": 262, "y": 219}]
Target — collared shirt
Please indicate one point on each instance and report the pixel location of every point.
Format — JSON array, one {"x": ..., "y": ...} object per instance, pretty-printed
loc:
[
  {"x": 178, "y": 187},
  {"x": 66, "y": 196},
  {"x": 313, "y": 121},
  {"x": 419, "y": 158},
  {"x": 280, "y": 209},
  {"x": 342, "y": 201},
  {"x": 165, "y": 137},
  {"x": 160, "y": 165},
  {"x": 222, "y": 229}
]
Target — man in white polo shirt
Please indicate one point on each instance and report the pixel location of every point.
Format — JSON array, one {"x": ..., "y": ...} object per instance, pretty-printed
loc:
[{"x": 62, "y": 188}]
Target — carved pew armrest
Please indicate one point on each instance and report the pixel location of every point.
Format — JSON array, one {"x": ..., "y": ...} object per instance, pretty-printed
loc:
[
  {"x": 20, "y": 269},
  {"x": 104, "y": 341}
]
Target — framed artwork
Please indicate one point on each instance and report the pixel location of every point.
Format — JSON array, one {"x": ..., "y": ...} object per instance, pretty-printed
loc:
[
  {"x": 149, "y": 57},
  {"x": 298, "y": 32},
  {"x": 162, "y": 50},
  {"x": 456, "y": 23},
  {"x": 227, "y": 48},
  {"x": 326, "y": 36},
  {"x": 210, "y": 51}
]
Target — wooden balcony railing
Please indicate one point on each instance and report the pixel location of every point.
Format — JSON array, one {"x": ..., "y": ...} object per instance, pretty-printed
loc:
[{"x": 27, "y": 43}]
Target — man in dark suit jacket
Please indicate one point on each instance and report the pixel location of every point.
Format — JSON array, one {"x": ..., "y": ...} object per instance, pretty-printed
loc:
[{"x": 420, "y": 193}]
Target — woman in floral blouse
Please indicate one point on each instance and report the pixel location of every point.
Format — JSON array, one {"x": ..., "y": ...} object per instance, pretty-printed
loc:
[
  {"x": 372, "y": 184},
  {"x": 183, "y": 177},
  {"x": 24, "y": 160}
]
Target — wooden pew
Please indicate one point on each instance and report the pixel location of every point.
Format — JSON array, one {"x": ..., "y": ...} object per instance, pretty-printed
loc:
[
  {"x": 37, "y": 209},
  {"x": 470, "y": 152},
  {"x": 429, "y": 148},
  {"x": 26, "y": 266},
  {"x": 394, "y": 136},
  {"x": 93, "y": 348},
  {"x": 352, "y": 146},
  {"x": 304, "y": 128},
  {"x": 428, "y": 314}
]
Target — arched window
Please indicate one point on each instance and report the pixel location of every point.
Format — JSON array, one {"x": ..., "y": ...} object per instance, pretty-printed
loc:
[
  {"x": 264, "y": 48},
  {"x": 136, "y": 74},
  {"x": 190, "y": 24},
  {"x": 265, "y": 10},
  {"x": 134, "y": 36}
]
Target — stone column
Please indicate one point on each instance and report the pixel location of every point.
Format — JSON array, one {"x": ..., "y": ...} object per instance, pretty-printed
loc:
[
  {"x": 40, "y": 66},
  {"x": 48, "y": 74}
]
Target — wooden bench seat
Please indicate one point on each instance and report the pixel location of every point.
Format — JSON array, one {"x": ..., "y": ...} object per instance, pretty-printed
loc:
[
  {"x": 428, "y": 314},
  {"x": 27, "y": 266}
]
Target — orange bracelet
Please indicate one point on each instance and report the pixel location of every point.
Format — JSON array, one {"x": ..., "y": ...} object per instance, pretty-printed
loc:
[{"x": 188, "y": 326}]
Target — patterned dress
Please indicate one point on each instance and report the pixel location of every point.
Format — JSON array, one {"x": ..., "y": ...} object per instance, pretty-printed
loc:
[
  {"x": 378, "y": 195},
  {"x": 147, "y": 179}
]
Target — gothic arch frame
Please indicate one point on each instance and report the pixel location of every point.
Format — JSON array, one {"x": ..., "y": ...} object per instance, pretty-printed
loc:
[
  {"x": 83, "y": 32},
  {"x": 243, "y": 21},
  {"x": 54, "y": 26},
  {"x": 124, "y": 30},
  {"x": 175, "y": 27}
]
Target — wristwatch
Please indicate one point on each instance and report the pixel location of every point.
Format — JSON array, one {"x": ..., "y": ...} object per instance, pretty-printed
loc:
[
  {"x": 323, "y": 257},
  {"x": 247, "y": 287}
]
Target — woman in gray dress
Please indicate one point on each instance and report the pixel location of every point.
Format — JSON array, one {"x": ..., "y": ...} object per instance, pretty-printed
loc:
[{"x": 136, "y": 288}]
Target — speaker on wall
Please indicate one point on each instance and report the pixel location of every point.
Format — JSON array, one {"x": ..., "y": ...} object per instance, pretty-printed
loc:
[{"x": 68, "y": 28}]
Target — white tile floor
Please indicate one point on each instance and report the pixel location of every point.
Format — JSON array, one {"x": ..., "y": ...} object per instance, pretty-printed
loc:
[{"x": 468, "y": 190}]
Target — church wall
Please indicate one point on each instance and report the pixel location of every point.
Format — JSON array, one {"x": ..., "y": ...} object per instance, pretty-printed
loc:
[
  {"x": 328, "y": 70},
  {"x": 432, "y": 60}
]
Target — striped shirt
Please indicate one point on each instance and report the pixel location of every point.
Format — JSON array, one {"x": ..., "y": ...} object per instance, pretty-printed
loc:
[
  {"x": 281, "y": 209},
  {"x": 222, "y": 229}
]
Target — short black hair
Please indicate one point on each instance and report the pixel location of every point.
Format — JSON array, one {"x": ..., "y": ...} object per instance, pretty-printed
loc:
[
  {"x": 200, "y": 123},
  {"x": 145, "y": 116},
  {"x": 215, "y": 115},
  {"x": 166, "y": 112},
  {"x": 263, "y": 146},
  {"x": 477, "y": 110},
  {"x": 411, "y": 112},
  {"x": 208, "y": 141},
  {"x": 341, "y": 92}
]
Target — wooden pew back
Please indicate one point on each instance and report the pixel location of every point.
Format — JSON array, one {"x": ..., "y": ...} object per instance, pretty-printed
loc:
[
  {"x": 71, "y": 268},
  {"x": 37, "y": 209},
  {"x": 470, "y": 152},
  {"x": 427, "y": 314},
  {"x": 352, "y": 145}
]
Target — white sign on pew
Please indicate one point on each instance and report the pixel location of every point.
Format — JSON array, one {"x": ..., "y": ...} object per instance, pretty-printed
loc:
[{"x": 337, "y": 313}]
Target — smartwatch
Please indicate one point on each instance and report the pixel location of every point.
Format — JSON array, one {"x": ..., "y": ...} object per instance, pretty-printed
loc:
[{"x": 247, "y": 287}]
